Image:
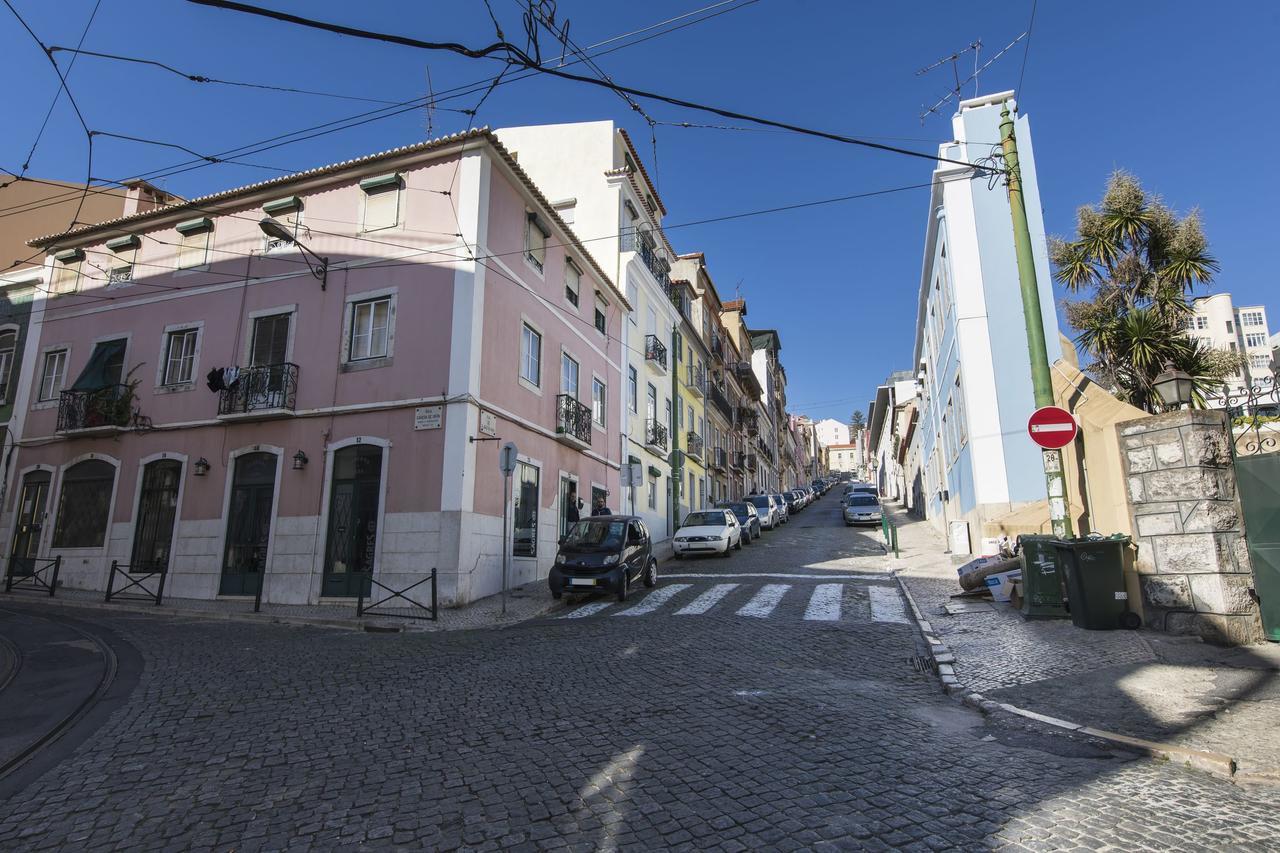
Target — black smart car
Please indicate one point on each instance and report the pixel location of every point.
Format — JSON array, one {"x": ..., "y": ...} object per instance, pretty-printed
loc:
[{"x": 604, "y": 553}]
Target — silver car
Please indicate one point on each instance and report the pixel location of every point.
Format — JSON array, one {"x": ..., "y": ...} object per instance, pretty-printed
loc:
[{"x": 861, "y": 508}]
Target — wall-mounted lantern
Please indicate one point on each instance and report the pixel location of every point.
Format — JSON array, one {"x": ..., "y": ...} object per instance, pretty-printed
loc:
[
  {"x": 201, "y": 467},
  {"x": 300, "y": 461}
]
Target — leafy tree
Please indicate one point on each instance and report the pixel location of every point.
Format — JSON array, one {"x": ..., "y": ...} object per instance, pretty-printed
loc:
[{"x": 1139, "y": 265}]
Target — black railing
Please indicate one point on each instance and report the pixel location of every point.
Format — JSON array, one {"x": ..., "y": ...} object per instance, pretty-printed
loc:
[
  {"x": 134, "y": 577},
  {"x": 751, "y": 461},
  {"x": 655, "y": 350},
  {"x": 655, "y": 434},
  {"x": 737, "y": 459},
  {"x": 29, "y": 572},
  {"x": 261, "y": 388},
  {"x": 696, "y": 379},
  {"x": 110, "y": 406},
  {"x": 402, "y": 595},
  {"x": 717, "y": 347},
  {"x": 720, "y": 400},
  {"x": 719, "y": 459},
  {"x": 573, "y": 418},
  {"x": 641, "y": 241},
  {"x": 693, "y": 445}
]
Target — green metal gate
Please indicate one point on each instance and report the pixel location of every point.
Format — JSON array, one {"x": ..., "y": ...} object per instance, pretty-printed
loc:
[{"x": 1258, "y": 479}]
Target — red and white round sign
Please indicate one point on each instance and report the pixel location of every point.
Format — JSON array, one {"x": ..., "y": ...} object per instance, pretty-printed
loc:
[{"x": 1052, "y": 427}]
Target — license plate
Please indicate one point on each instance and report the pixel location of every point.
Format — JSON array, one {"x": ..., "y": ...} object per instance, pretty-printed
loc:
[{"x": 582, "y": 581}]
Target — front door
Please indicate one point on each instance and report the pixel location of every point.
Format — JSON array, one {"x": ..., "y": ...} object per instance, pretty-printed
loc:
[
  {"x": 353, "y": 521},
  {"x": 157, "y": 509},
  {"x": 248, "y": 524},
  {"x": 31, "y": 510},
  {"x": 569, "y": 511}
]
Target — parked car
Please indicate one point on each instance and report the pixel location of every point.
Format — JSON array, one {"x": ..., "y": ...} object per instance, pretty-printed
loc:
[
  {"x": 793, "y": 501},
  {"x": 709, "y": 531},
  {"x": 770, "y": 514},
  {"x": 784, "y": 508},
  {"x": 858, "y": 489},
  {"x": 862, "y": 509},
  {"x": 748, "y": 517},
  {"x": 605, "y": 553}
]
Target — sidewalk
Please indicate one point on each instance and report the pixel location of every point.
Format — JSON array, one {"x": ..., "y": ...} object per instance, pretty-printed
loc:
[
  {"x": 524, "y": 602},
  {"x": 1173, "y": 690}
]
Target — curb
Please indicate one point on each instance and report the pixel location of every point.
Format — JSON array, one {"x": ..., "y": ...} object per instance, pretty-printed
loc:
[{"x": 1217, "y": 763}]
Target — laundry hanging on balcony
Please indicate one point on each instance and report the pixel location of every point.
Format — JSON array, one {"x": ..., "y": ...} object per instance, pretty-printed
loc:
[
  {"x": 105, "y": 367},
  {"x": 222, "y": 378}
]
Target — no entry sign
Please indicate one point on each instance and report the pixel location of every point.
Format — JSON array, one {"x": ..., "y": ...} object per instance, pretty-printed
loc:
[{"x": 1052, "y": 427}]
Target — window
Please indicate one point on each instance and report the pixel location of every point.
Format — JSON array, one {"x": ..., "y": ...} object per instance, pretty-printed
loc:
[
  {"x": 66, "y": 270},
  {"x": 651, "y": 402},
  {"x": 1255, "y": 340},
  {"x": 270, "y": 340},
  {"x": 123, "y": 252},
  {"x": 600, "y": 321},
  {"x": 85, "y": 505},
  {"x": 1257, "y": 361},
  {"x": 599, "y": 402},
  {"x": 1230, "y": 328},
  {"x": 633, "y": 297},
  {"x": 535, "y": 243},
  {"x": 54, "y": 375},
  {"x": 961, "y": 420},
  {"x": 1251, "y": 318},
  {"x": 568, "y": 376},
  {"x": 524, "y": 540},
  {"x": 530, "y": 356},
  {"x": 180, "y": 357},
  {"x": 370, "y": 325},
  {"x": 653, "y": 493},
  {"x": 633, "y": 390},
  {"x": 194, "y": 237},
  {"x": 8, "y": 341},
  {"x": 1202, "y": 322},
  {"x": 381, "y": 202},
  {"x": 572, "y": 282}
]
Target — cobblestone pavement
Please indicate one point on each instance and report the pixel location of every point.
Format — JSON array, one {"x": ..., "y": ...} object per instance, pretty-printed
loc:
[{"x": 711, "y": 730}]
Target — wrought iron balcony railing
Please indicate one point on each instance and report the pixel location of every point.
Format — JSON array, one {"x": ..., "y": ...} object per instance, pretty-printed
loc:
[
  {"x": 693, "y": 445},
  {"x": 263, "y": 388},
  {"x": 655, "y": 351},
  {"x": 642, "y": 242},
  {"x": 110, "y": 406},
  {"x": 719, "y": 459},
  {"x": 751, "y": 461},
  {"x": 737, "y": 459},
  {"x": 573, "y": 419},
  {"x": 696, "y": 379},
  {"x": 720, "y": 400},
  {"x": 655, "y": 435}
]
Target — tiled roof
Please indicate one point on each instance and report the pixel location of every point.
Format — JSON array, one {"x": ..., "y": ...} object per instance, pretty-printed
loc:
[{"x": 735, "y": 305}]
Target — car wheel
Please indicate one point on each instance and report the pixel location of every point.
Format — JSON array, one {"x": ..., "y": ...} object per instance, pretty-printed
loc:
[
  {"x": 738, "y": 546},
  {"x": 727, "y": 550},
  {"x": 677, "y": 556},
  {"x": 746, "y": 538},
  {"x": 557, "y": 595},
  {"x": 651, "y": 574},
  {"x": 624, "y": 586}
]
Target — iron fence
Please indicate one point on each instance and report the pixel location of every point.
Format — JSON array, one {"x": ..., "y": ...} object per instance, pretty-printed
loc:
[
  {"x": 655, "y": 435},
  {"x": 655, "y": 350},
  {"x": 32, "y": 573},
  {"x": 135, "y": 578},
  {"x": 573, "y": 418},
  {"x": 260, "y": 388},
  {"x": 109, "y": 406},
  {"x": 401, "y": 595}
]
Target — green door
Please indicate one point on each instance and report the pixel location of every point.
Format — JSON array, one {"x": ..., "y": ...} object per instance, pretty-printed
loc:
[
  {"x": 353, "y": 520},
  {"x": 248, "y": 524},
  {"x": 1258, "y": 478}
]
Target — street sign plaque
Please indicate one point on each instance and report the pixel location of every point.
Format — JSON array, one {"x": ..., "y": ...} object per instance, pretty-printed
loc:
[{"x": 1052, "y": 427}]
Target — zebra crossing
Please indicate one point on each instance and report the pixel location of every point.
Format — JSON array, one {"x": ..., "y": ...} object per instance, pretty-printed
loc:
[{"x": 823, "y": 602}]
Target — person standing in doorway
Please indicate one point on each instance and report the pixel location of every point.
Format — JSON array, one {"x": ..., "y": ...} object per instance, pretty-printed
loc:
[
  {"x": 600, "y": 508},
  {"x": 571, "y": 508}
]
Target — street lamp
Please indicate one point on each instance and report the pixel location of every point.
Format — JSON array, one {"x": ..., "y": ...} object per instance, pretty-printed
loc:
[
  {"x": 1174, "y": 386},
  {"x": 319, "y": 266}
]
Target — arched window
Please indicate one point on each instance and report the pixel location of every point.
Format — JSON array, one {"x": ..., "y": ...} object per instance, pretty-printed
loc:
[{"x": 84, "y": 507}]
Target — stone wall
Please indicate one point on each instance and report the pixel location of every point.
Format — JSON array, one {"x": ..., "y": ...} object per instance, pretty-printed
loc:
[{"x": 1193, "y": 563}]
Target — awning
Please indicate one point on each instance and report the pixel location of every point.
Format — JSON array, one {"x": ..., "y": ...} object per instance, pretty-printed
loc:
[{"x": 104, "y": 368}]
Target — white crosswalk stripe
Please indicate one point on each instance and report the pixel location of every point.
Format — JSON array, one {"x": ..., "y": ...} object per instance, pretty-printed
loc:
[
  {"x": 763, "y": 602},
  {"x": 824, "y": 604},
  {"x": 587, "y": 610},
  {"x": 654, "y": 600},
  {"x": 707, "y": 600},
  {"x": 886, "y": 605}
]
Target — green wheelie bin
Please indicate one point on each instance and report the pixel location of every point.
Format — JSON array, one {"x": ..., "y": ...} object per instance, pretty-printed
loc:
[
  {"x": 1096, "y": 592},
  {"x": 1042, "y": 583}
]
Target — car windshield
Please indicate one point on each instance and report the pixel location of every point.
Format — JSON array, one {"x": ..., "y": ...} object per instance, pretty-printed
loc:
[
  {"x": 863, "y": 500},
  {"x": 761, "y": 501},
  {"x": 704, "y": 519},
  {"x": 596, "y": 534},
  {"x": 738, "y": 509}
]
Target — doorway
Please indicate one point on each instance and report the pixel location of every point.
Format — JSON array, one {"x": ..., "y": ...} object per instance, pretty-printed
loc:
[
  {"x": 157, "y": 510},
  {"x": 30, "y": 522},
  {"x": 353, "y": 521},
  {"x": 248, "y": 524}
]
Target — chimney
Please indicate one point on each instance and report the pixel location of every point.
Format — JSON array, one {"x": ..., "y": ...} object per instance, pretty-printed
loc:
[{"x": 141, "y": 196}]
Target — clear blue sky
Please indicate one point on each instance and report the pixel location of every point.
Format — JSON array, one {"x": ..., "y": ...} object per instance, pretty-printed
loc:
[{"x": 1180, "y": 93}]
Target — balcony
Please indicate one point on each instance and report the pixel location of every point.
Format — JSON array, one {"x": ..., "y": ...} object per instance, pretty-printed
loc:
[
  {"x": 573, "y": 421},
  {"x": 717, "y": 347},
  {"x": 99, "y": 411},
  {"x": 749, "y": 418},
  {"x": 260, "y": 392},
  {"x": 643, "y": 243},
  {"x": 655, "y": 437},
  {"x": 655, "y": 352},
  {"x": 719, "y": 459},
  {"x": 750, "y": 461},
  {"x": 720, "y": 400},
  {"x": 693, "y": 446},
  {"x": 737, "y": 460},
  {"x": 696, "y": 380}
]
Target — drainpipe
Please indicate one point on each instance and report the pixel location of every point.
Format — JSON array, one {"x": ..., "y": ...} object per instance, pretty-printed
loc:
[{"x": 676, "y": 458}]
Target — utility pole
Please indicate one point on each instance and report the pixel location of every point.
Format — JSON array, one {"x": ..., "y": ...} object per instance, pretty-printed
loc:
[{"x": 1041, "y": 382}]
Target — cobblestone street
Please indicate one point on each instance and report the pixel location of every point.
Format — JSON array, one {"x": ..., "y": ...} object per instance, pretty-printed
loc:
[{"x": 744, "y": 708}]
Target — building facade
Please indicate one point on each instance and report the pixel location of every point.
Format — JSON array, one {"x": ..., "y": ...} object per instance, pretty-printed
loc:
[
  {"x": 830, "y": 431},
  {"x": 1217, "y": 322},
  {"x": 252, "y": 422}
]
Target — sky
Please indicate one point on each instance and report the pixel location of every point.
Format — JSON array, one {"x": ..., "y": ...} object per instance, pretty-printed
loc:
[{"x": 1173, "y": 91}]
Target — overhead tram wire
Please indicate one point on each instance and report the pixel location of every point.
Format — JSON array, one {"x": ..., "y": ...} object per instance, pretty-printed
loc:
[
  {"x": 1026, "y": 50},
  {"x": 463, "y": 90},
  {"x": 511, "y": 52},
  {"x": 26, "y": 164}
]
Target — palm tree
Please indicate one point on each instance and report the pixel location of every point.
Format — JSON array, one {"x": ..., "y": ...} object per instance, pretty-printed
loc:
[{"x": 1140, "y": 264}]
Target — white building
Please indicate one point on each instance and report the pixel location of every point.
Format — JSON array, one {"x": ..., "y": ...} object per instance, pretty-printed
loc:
[
  {"x": 842, "y": 458},
  {"x": 1218, "y": 323},
  {"x": 831, "y": 432}
]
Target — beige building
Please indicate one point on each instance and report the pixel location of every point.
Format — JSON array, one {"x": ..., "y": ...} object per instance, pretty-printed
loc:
[{"x": 842, "y": 458}]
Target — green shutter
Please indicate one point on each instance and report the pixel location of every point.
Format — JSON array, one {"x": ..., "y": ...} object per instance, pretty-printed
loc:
[
  {"x": 128, "y": 241},
  {"x": 191, "y": 226},
  {"x": 69, "y": 256},
  {"x": 282, "y": 205},
  {"x": 381, "y": 182}
]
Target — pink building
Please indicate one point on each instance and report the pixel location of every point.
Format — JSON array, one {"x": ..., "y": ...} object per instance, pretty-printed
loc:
[{"x": 363, "y": 391}]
